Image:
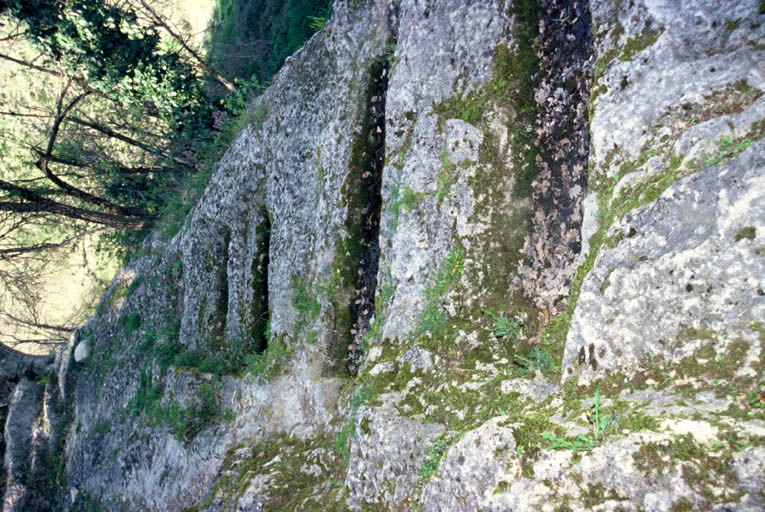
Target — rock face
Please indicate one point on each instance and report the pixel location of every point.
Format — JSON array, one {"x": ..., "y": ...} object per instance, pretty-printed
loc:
[{"x": 378, "y": 304}]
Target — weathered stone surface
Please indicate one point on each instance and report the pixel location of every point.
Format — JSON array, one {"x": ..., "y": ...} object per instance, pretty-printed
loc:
[
  {"x": 206, "y": 273},
  {"x": 460, "y": 404},
  {"x": 386, "y": 454},
  {"x": 680, "y": 278},
  {"x": 23, "y": 414},
  {"x": 473, "y": 469}
]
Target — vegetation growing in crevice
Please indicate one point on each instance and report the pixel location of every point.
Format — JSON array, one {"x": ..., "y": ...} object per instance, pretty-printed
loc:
[{"x": 355, "y": 269}]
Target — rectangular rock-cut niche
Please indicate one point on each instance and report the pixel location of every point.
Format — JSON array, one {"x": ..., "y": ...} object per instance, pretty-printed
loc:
[
  {"x": 214, "y": 308},
  {"x": 360, "y": 253},
  {"x": 258, "y": 323}
]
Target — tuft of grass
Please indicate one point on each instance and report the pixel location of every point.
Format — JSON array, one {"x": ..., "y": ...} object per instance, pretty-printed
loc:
[
  {"x": 602, "y": 428},
  {"x": 345, "y": 436},
  {"x": 433, "y": 455}
]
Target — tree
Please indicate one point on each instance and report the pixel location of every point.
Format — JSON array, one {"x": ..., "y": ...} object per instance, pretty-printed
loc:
[{"x": 98, "y": 117}]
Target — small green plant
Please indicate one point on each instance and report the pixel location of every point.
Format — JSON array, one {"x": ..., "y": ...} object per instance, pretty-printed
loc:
[
  {"x": 447, "y": 177},
  {"x": 505, "y": 327},
  {"x": 433, "y": 455},
  {"x": 602, "y": 428},
  {"x": 305, "y": 303},
  {"x": 539, "y": 361},
  {"x": 727, "y": 148},
  {"x": 344, "y": 437},
  {"x": 433, "y": 319},
  {"x": 756, "y": 399},
  {"x": 102, "y": 428},
  {"x": 134, "y": 285},
  {"x": 317, "y": 22},
  {"x": 408, "y": 199},
  {"x": 267, "y": 362}
]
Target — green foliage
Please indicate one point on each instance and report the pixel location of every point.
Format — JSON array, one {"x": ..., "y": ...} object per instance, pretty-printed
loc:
[
  {"x": 756, "y": 399},
  {"x": 183, "y": 422},
  {"x": 447, "y": 177},
  {"x": 102, "y": 428},
  {"x": 538, "y": 361},
  {"x": 119, "y": 56},
  {"x": 147, "y": 394},
  {"x": 130, "y": 323},
  {"x": 305, "y": 302},
  {"x": 433, "y": 455},
  {"x": 727, "y": 148},
  {"x": 318, "y": 22},
  {"x": 602, "y": 428},
  {"x": 635, "y": 45},
  {"x": 138, "y": 281},
  {"x": 266, "y": 363},
  {"x": 433, "y": 319},
  {"x": 344, "y": 438},
  {"x": 504, "y": 327},
  {"x": 745, "y": 233},
  {"x": 186, "y": 422},
  {"x": 408, "y": 199},
  {"x": 253, "y": 37}
]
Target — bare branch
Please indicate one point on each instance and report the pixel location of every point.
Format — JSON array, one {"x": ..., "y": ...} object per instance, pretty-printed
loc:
[
  {"x": 200, "y": 60},
  {"x": 17, "y": 251}
]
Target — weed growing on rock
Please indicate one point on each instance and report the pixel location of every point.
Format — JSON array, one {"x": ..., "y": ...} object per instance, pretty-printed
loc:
[
  {"x": 433, "y": 455},
  {"x": 433, "y": 319},
  {"x": 505, "y": 327},
  {"x": 407, "y": 198},
  {"x": 130, "y": 323},
  {"x": 602, "y": 428},
  {"x": 447, "y": 177},
  {"x": 727, "y": 148},
  {"x": 344, "y": 438},
  {"x": 756, "y": 399},
  {"x": 538, "y": 362}
]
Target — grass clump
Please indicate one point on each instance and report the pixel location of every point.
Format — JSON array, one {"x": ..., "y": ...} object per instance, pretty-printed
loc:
[
  {"x": 407, "y": 198},
  {"x": 130, "y": 323},
  {"x": 433, "y": 455},
  {"x": 727, "y": 148},
  {"x": 602, "y": 428}
]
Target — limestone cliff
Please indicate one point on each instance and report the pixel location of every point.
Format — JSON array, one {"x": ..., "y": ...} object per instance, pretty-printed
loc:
[{"x": 467, "y": 255}]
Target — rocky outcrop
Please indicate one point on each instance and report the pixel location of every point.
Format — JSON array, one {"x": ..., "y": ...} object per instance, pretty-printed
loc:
[
  {"x": 378, "y": 304},
  {"x": 32, "y": 414}
]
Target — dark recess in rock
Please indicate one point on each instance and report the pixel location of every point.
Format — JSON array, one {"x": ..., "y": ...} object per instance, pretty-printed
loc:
[
  {"x": 260, "y": 313},
  {"x": 563, "y": 144},
  {"x": 363, "y": 305}
]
